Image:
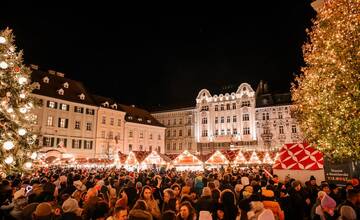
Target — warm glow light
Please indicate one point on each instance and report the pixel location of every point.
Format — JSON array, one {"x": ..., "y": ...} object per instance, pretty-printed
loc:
[
  {"x": 23, "y": 110},
  {"x": 8, "y": 145},
  {"x": 10, "y": 110},
  {"x": 3, "y": 65},
  {"x": 28, "y": 165},
  {"x": 2, "y": 40},
  {"x": 33, "y": 155},
  {"x": 22, "y": 80},
  {"x": 21, "y": 131},
  {"x": 9, "y": 160}
]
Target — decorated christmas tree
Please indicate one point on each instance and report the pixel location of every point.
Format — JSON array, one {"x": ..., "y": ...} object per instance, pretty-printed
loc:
[
  {"x": 327, "y": 94},
  {"x": 17, "y": 142}
]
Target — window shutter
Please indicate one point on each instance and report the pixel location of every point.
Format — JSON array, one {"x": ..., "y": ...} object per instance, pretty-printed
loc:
[
  {"x": 73, "y": 143},
  {"x": 75, "y": 108},
  {"x": 67, "y": 107},
  {"x": 57, "y": 141},
  {"x": 44, "y": 141},
  {"x": 52, "y": 141},
  {"x": 85, "y": 144},
  {"x": 91, "y": 143},
  {"x": 79, "y": 144},
  {"x": 48, "y": 104},
  {"x": 56, "y": 104},
  {"x": 66, "y": 123},
  {"x": 59, "y": 120},
  {"x": 65, "y": 142}
]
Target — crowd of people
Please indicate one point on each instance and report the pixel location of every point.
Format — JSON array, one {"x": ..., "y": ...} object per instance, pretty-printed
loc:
[{"x": 229, "y": 194}]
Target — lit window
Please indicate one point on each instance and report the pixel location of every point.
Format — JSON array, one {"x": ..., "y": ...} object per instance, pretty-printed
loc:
[
  {"x": 52, "y": 104},
  {"x": 88, "y": 126},
  {"x": 245, "y": 117},
  {"x": 64, "y": 107},
  {"x": 111, "y": 121},
  {"x": 246, "y": 131},
  {"x": 293, "y": 129},
  {"x": 77, "y": 124},
  {"x": 49, "y": 121},
  {"x": 281, "y": 129}
]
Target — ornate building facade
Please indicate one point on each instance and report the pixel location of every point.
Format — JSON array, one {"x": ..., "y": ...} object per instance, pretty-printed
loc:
[{"x": 237, "y": 119}]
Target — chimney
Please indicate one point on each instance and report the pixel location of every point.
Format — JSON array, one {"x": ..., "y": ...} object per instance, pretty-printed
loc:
[
  {"x": 60, "y": 74},
  {"x": 133, "y": 106}
]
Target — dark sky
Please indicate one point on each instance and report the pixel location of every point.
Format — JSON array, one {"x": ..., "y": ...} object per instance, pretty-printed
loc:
[{"x": 149, "y": 59}]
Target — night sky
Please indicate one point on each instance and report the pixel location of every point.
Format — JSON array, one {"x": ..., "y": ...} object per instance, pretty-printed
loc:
[{"x": 149, "y": 59}]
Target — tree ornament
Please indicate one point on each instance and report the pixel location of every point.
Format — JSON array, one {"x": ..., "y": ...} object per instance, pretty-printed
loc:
[
  {"x": 17, "y": 69},
  {"x": 3, "y": 65},
  {"x": 10, "y": 110},
  {"x": 23, "y": 110},
  {"x": 2, "y": 40},
  {"x": 8, "y": 145},
  {"x": 27, "y": 165},
  {"x": 9, "y": 159},
  {"x": 22, "y": 95},
  {"x": 33, "y": 155},
  {"x": 22, "y": 80},
  {"x": 21, "y": 131}
]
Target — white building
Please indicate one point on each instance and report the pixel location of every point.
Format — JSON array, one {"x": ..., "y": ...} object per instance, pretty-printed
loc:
[{"x": 180, "y": 129}]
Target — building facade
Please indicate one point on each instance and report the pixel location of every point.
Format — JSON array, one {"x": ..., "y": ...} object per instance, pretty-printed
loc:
[
  {"x": 244, "y": 118},
  {"x": 72, "y": 121},
  {"x": 180, "y": 129}
]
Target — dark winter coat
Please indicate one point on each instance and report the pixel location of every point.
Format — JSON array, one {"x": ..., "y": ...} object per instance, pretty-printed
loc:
[
  {"x": 205, "y": 203},
  {"x": 298, "y": 200},
  {"x": 137, "y": 214}
]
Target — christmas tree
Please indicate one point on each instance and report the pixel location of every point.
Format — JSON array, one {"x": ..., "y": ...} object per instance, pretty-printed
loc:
[
  {"x": 327, "y": 93},
  {"x": 17, "y": 141}
]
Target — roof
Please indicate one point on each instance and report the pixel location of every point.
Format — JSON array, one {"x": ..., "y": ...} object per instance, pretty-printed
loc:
[
  {"x": 299, "y": 156},
  {"x": 56, "y": 82},
  {"x": 266, "y": 100},
  {"x": 100, "y": 100},
  {"x": 140, "y": 116},
  {"x": 173, "y": 108}
]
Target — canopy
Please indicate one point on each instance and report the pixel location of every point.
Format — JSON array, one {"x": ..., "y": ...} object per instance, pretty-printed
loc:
[
  {"x": 131, "y": 159},
  {"x": 299, "y": 156},
  {"x": 217, "y": 159},
  {"x": 240, "y": 158},
  {"x": 254, "y": 159},
  {"x": 154, "y": 158},
  {"x": 186, "y": 159}
]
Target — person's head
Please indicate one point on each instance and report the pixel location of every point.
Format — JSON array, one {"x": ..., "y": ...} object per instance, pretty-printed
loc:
[
  {"x": 168, "y": 194},
  {"x": 312, "y": 181},
  {"x": 347, "y": 212},
  {"x": 227, "y": 198},
  {"x": 43, "y": 211},
  {"x": 238, "y": 188},
  {"x": 70, "y": 205},
  {"x": 176, "y": 189},
  {"x": 141, "y": 204},
  {"x": 349, "y": 186},
  {"x": 211, "y": 185},
  {"x": 296, "y": 185},
  {"x": 321, "y": 195},
  {"x": 122, "y": 193},
  {"x": 146, "y": 193},
  {"x": 206, "y": 192},
  {"x": 353, "y": 195},
  {"x": 186, "y": 210},
  {"x": 120, "y": 213},
  {"x": 101, "y": 210},
  {"x": 326, "y": 188}
]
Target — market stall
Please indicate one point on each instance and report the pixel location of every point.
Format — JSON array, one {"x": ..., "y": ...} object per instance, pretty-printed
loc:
[
  {"x": 187, "y": 161},
  {"x": 240, "y": 159},
  {"x": 216, "y": 160},
  {"x": 154, "y": 160},
  {"x": 131, "y": 163},
  {"x": 299, "y": 161}
]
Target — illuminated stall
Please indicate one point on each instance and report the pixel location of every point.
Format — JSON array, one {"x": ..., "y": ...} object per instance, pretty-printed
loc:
[{"x": 187, "y": 161}]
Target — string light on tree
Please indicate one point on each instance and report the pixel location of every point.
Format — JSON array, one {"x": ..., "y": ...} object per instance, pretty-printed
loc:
[
  {"x": 22, "y": 80},
  {"x": 27, "y": 165},
  {"x": 23, "y": 110},
  {"x": 8, "y": 145},
  {"x": 9, "y": 160},
  {"x": 33, "y": 155},
  {"x": 2, "y": 40},
  {"x": 3, "y": 65},
  {"x": 21, "y": 131}
]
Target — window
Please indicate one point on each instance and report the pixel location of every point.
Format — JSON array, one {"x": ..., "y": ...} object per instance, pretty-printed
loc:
[
  {"x": 131, "y": 134},
  {"x": 216, "y": 120},
  {"x": 168, "y": 133},
  {"x": 51, "y": 104},
  {"x": 150, "y": 148},
  {"x": 204, "y": 133},
  {"x": 63, "y": 123},
  {"x": 234, "y": 118},
  {"x": 35, "y": 119},
  {"x": 222, "y": 132},
  {"x": 103, "y": 121},
  {"x": 78, "y": 109},
  {"x": 111, "y": 121},
  {"x": 47, "y": 142},
  {"x": 227, "y": 106},
  {"x": 205, "y": 108},
  {"x": 90, "y": 111},
  {"x": 174, "y": 133},
  {"x": 280, "y": 115},
  {"x": 175, "y": 121},
  {"x": 140, "y": 148},
  {"x": 189, "y": 132},
  {"x": 222, "y": 107},
  {"x": 88, "y": 145},
  {"x": 119, "y": 122},
  {"x": 180, "y": 146},
  {"x": 168, "y": 146},
  {"x": 49, "y": 121},
  {"x": 76, "y": 144},
  {"x": 159, "y": 137},
  {"x": 168, "y": 122},
  {"x": 82, "y": 96},
  {"x": 111, "y": 135},
  {"x": 88, "y": 126},
  {"x": 130, "y": 147},
  {"x": 216, "y": 108},
  {"x": 150, "y": 136},
  {"x": 66, "y": 85},
  {"x": 245, "y": 117},
  {"x": 189, "y": 146},
  {"x": 266, "y": 131},
  {"x": 234, "y": 131},
  {"x": 141, "y": 135},
  {"x": 64, "y": 107},
  {"x": 266, "y": 116},
  {"x": 180, "y": 133},
  {"x": 174, "y": 146},
  {"x": 234, "y": 106},
  {"x": 228, "y": 131},
  {"x": 46, "y": 79},
  {"x": 61, "y": 142},
  {"x": 180, "y": 121},
  {"x": 216, "y": 132},
  {"x": 204, "y": 120},
  {"x": 102, "y": 134},
  {"x": 228, "y": 119},
  {"x": 189, "y": 120},
  {"x": 222, "y": 120},
  {"x": 281, "y": 129},
  {"x": 246, "y": 131},
  {"x": 77, "y": 124},
  {"x": 245, "y": 103},
  {"x": 293, "y": 129}
]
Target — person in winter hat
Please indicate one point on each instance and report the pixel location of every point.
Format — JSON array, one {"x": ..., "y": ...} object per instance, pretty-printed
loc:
[
  {"x": 71, "y": 210},
  {"x": 269, "y": 203},
  {"x": 257, "y": 209}
]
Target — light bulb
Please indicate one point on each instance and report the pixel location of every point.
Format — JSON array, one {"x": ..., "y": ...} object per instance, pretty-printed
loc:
[
  {"x": 10, "y": 110},
  {"x": 2, "y": 40},
  {"x": 22, "y": 95},
  {"x": 23, "y": 110},
  {"x": 21, "y": 131},
  {"x": 28, "y": 165},
  {"x": 9, "y": 159},
  {"x": 12, "y": 48},
  {"x": 3, "y": 65},
  {"x": 22, "y": 80},
  {"x": 8, "y": 145},
  {"x": 33, "y": 155}
]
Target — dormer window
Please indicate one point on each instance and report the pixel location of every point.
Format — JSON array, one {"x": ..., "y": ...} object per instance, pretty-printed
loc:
[
  {"x": 149, "y": 121},
  {"x": 114, "y": 106},
  {"x": 106, "y": 104},
  {"x": 61, "y": 92},
  {"x": 37, "y": 85},
  {"x": 46, "y": 79},
  {"x": 66, "y": 85},
  {"x": 130, "y": 117},
  {"x": 82, "y": 96},
  {"x": 139, "y": 119}
]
